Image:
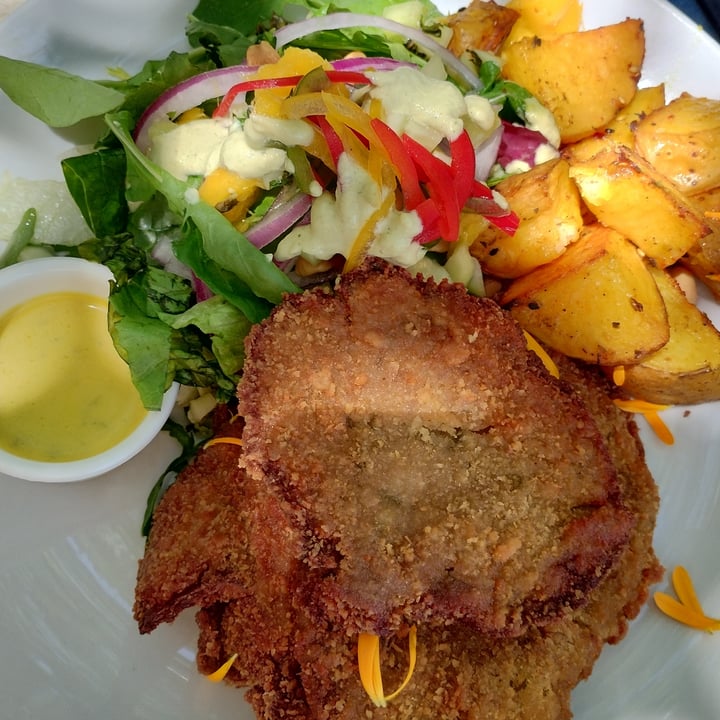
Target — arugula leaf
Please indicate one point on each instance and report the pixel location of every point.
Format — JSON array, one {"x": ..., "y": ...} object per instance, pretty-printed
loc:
[
  {"x": 56, "y": 97},
  {"x": 511, "y": 96}
]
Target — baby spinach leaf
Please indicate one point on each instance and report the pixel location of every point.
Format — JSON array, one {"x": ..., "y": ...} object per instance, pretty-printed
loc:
[
  {"x": 56, "y": 97},
  {"x": 96, "y": 182}
]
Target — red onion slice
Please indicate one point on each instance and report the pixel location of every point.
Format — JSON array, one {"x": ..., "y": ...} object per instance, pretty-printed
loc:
[
  {"x": 519, "y": 143},
  {"x": 189, "y": 94},
  {"x": 289, "y": 208},
  {"x": 341, "y": 20},
  {"x": 486, "y": 154}
]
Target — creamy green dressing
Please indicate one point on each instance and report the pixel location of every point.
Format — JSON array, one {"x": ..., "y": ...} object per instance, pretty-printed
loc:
[{"x": 65, "y": 394}]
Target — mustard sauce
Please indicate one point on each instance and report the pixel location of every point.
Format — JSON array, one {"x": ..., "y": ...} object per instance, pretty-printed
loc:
[{"x": 65, "y": 394}]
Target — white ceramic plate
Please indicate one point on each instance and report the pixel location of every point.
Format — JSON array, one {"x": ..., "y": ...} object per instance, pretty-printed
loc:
[{"x": 69, "y": 649}]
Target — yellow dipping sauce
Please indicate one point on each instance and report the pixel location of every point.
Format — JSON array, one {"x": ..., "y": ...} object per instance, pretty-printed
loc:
[{"x": 65, "y": 394}]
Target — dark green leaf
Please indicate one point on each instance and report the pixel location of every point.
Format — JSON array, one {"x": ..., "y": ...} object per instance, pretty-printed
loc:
[
  {"x": 56, "y": 97},
  {"x": 97, "y": 183}
]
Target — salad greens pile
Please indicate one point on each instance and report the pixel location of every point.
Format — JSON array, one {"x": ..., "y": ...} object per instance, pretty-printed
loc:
[{"x": 133, "y": 207}]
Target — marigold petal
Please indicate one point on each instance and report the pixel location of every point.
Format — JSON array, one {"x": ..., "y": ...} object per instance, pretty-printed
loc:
[
  {"x": 370, "y": 671},
  {"x": 685, "y": 589},
  {"x": 683, "y": 614},
  {"x": 222, "y": 671},
  {"x": 229, "y": 440},
  {"x": 539, "y": 350}
]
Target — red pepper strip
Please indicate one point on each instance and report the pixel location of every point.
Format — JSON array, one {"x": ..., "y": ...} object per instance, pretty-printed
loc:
[
  {"x": 430, "y": 219},
  {"x": 400, "y": 158},
  {"x": 331, "y": 137},
  {"x": 508, "y": 222},
  {"x": 462, "y": 163},
  {"x": 440, "y": 183},
  {"x": 481, "y": 190},
  {"x": 346, "y": 76},
  {"x": 258, "y": 84}
]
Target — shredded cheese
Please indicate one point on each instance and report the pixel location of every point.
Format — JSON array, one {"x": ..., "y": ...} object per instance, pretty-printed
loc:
[
  {"x": 618, "y": 375},
  {"x": 539, "y": 350},
  {"x": 651, "y": 413},
  {"x": 229, "y": 440},
  {"x": 687, "y": 608},
  {"x": 222, "y": 671},
  {"x": 371, "y": 672}
]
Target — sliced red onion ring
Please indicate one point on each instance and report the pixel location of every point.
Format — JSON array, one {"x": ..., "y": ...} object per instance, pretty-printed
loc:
[
  {"x": 189, "y": 94},
  {"x": 215, "y": 83},
  {"x": 340, "y": 20},
  {"x": 289, "y": 208},
  {"x": 519, "y": 143},
  {"x": 362, "y": 64},
  {"x": 486, "y": 154}
]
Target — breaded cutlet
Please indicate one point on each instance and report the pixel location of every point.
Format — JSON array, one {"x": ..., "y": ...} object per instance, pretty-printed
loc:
[
  {"x": 221, "y": 541},
  {"x": 434, "y": 469},
  {"x": 462, "y": 674}
]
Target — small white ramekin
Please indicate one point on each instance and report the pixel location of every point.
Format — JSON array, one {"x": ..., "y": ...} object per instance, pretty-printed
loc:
[{"x": 22, "y": 282}]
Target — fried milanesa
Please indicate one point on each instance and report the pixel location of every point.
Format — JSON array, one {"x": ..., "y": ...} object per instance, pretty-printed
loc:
[
  {"x": 461, "y": 674},
  {"x": 231, "y": 543},
  {"x": 433, "y": 468}
]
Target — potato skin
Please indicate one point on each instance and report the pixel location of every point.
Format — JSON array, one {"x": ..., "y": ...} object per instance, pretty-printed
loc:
[
  {"x": 629, "y": 195},
  {"x": 595, "y": 302},
  {"x": 681, "y": 140},
  {"x": 583, "y": 77},
  {"x": 548, "y": 204},
  {"x": 686, "y": 370}
]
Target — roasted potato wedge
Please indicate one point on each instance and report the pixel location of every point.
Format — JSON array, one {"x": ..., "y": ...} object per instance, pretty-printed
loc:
[
  {"x": 686, "y": 369},
  {"x": 682, "y": 141},
  {"x": 621, "y": 129},
  {"x": 584, "y": 77},
  {"x": 596, "y": 302},
  {"x": 626, "y": 193},
  {"x": 545, "y": 17},
  {"x": 548, "y": 205},
  {"x": 480, "y": 26}
]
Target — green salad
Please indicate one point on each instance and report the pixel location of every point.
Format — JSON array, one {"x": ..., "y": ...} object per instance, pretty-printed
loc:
[{"x": 287, "y": 143}]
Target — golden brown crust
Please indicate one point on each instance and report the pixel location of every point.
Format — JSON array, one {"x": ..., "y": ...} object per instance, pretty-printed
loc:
[
  {"x": 462, "y": 674},
  {"x": 434, "y": 469},
  {"x": 225, "y": 540}
]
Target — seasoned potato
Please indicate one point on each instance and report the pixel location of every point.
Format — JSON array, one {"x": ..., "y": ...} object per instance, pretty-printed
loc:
[
  {"x": 480, "y": 26},
  {"x": 584, "y": 77},
  {"x": 548, "y": 205},
  {"x": 627, "y": 194},
  {"x": 687, "y": 368},
  {"x": 682, "y": 141},
  {"x": 597, "y": 301},
  {"x": 621, "y": 129},
  {"x": 708, "y": 203},
  {"x": 545, "y": 17}
]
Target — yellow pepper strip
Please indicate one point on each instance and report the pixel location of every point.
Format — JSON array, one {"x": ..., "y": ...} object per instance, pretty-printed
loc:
[
  {"x": 367, "y": 231},
  {"x": 539, "y": 350},
  {"x": 222, "y": 671},
  {"x": 222, "y": 441},
  {"x": 687, "y": 610},
  {"x": 618, "y": 375},
  {"x": 370, "y": 671},
  {"x": 650, "y": 411}
]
